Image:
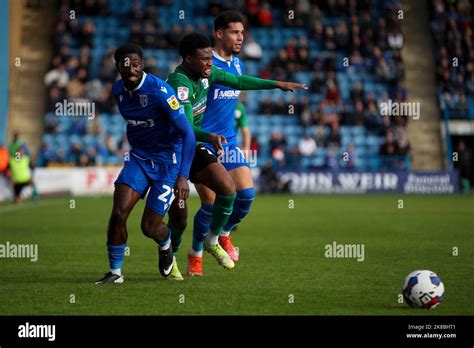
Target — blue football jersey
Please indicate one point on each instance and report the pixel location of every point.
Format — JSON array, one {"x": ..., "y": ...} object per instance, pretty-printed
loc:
[
  {"x": 219, "y": 117},
  {"x": 147, "y": 110}
]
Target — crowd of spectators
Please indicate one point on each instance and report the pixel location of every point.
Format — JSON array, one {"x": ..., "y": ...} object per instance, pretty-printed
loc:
[
  {"x": 373, "y": 46},
  {"x": 371, "y": 41},
  {"x": 452, "y": 27}
]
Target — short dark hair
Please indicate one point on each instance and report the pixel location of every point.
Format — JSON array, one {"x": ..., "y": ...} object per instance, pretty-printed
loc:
[
  {"x": 192, "y": 42},
  {"x": 128, "y": 48},
  {"x": 223, "y": 19}
]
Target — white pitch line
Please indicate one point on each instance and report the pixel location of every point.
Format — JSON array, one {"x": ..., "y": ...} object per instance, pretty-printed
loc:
[{"x": 27, "y": 205}]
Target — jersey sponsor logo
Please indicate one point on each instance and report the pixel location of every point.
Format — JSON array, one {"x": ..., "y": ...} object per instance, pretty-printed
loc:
[
  {"x": 183, "y": 93},
  {"x": 205, "y": 83},
  {"x": 163, "y": 89},
  {"x": 226, "y": 94},
  {"x": 143, "y": 100},
  {"x": 199, "y": 106},
  {"x": 145, "y": 123},
  {"x": 173, "y": 102},
  {"x": 199, "y": 110}
]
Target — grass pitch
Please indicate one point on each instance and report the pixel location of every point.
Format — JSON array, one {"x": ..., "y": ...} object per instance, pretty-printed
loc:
[{"x": 282, "y": 267}]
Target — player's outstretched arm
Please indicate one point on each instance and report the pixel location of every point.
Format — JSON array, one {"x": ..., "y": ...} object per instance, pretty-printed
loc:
[{"x": 245, "y": 82}]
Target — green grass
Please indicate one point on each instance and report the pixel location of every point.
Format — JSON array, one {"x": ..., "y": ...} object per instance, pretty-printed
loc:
[{"x": 282, "y": 253}]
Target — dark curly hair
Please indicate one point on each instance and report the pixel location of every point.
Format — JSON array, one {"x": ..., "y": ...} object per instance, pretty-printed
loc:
[{"x": 192, "y": 42}]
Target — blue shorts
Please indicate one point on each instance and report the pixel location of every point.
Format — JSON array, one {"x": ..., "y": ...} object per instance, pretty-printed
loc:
[
  {"x": 143, "y": 174},
  {"x": 232, "y": 157}
]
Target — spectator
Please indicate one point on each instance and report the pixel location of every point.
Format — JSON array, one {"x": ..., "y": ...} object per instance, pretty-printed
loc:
[
  {"x": 334, "y": 138},
  {"x": 320, "y": 137},
  {"x": 252, "y": 50},
  {"x": 342, "y": 36},
  {"x": 46, "y": 155},
  {"x": 111, "y": 145},
  {"x": 54, "y": 96},
  {"x": 350, "y": 160},
  {"x": 264, "y": 16},
  {"x": 57, "y": 76},
  {"x": 60, "y": 156},
  {"x": 51, "y": 126},
  {"x": 357, "y": 92},
  {"x": 266, "y": 106},
  {"x": 331, "y": 159},
  {"x": 294, "y": 160},
  {"x": 395, "y": 39},
  {"x": 254, "y": 144},
  {"x": 268, "y": 179},
  {"x": 136, "y": 36},
  {"x": 464, "y": 165},
  {"x": 307, "y": 146}
]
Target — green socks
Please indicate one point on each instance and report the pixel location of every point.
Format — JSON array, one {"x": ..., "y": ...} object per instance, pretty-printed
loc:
[{"x": 221, "y": 212}]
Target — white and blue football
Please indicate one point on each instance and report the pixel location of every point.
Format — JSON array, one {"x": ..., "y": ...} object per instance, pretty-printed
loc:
[{"x": 423, "y": 289}]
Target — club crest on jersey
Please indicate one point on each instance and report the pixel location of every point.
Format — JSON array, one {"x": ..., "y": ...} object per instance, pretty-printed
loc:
[
  {"x": 183, "y": 93},
  {"x": 237, "y": 67},
  {"x": 143, "y": 100},
  {"x": 205, "y": 83},
  {"x": 173, "y": 102}
]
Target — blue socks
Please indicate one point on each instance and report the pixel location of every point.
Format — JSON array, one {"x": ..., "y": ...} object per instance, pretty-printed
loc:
[
  {"x": 116, "y": 255},
  {"x": 242, "y": 205},
  {"x": 165, "y": 243},
  {"x": 202, "y": 224}
]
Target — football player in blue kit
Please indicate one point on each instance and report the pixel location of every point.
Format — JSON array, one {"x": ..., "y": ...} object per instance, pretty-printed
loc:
[
  {"x": 163, "y": 144},
  {"x": 219, "y": 118}
]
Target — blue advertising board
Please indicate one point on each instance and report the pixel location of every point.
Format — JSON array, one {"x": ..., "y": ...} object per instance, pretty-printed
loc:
[{"x": 371, "y": 182}]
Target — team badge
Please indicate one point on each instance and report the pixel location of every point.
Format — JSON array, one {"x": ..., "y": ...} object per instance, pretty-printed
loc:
[
  {"x": 173, "y": 102},
  {"x": 205, "y": 83},
  {"x": 143, "y": 100},
  {"x": 237, "y": 67},
  {"x": 183, "y": 93}
]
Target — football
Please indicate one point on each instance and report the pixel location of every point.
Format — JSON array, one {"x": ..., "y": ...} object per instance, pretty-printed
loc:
[{"x": 423, "y": 289}]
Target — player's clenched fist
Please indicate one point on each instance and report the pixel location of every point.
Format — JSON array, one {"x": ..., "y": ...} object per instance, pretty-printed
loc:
[{"x": 181, "y": 188}]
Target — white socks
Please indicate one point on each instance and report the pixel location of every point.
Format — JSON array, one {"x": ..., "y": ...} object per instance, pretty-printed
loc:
[
  {"x": 211, "y": 238},
  {"x": 166, "y": 246},
  {"x": 195, "y": 253},
  {"x": 117, "y": 271}
]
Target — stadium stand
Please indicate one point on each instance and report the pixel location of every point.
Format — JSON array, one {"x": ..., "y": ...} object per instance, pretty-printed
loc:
[
  {"x": 451, "y": 25},
  {"x": 350, "y": 57}
]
